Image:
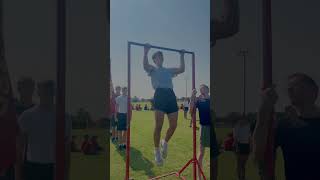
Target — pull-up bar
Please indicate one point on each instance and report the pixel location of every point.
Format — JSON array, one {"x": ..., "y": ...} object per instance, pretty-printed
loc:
[
  {"x": 158, "y": 47},
  {"x": 194, "y": 161}
]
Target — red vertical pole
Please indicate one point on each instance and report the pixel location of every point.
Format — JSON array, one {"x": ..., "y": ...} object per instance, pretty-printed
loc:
[
  {"x": 267, "y": 79},
  {"x": 194, "y": 123},
  {"x": 60, "y": 96},
  {"x": 128, "y": 115}
]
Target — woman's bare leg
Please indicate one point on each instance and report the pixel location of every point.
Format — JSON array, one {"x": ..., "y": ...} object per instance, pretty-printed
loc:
[
  {"x": 173, "y": 120},
  {"x": 200, "y": 159},
  {"x": 159, "y": 117}
]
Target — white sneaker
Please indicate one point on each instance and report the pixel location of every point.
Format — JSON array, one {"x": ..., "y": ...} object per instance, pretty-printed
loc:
[
  {"x": 164, "y": 149},
  {"x": 158, "y": 158}
]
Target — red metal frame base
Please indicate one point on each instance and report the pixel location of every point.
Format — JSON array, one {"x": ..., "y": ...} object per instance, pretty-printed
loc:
[
  {"x": 178, "y": 174},
  {"x": 166, "y": 175}
]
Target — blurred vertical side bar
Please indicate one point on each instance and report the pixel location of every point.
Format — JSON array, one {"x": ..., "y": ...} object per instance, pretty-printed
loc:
[
  {"x": 108, "y": 84},
  {"x": 267, "y": 81},
  {"x": 60, "y": 95}
]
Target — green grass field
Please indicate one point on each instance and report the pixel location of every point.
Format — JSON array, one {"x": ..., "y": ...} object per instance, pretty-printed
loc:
[{"x": 142, "y": 158}]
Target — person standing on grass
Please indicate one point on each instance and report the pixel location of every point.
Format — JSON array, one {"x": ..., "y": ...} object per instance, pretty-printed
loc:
[
  {"x": 113, "y": 124},
  {"x": 122, "y": 110},
  {"x": 165, "y": 100},
  {"x": 242, "y": 138},
  {"x": 297, "y": 133},
  {"x": 117, "y": 93},
  {"x": 202, "y": 103},
  {"x": 186, "y": 108},
  {"x": 38, "y": 126}
]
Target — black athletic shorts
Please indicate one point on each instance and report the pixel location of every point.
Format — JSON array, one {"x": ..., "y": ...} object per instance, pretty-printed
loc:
[
  {"x": 122, "y": 121},
  {"x": 243, "y": 148},
  {"x": 165, "y": 100},
  {"x": 186, "y": 109},
  {"x": 113, "y": 121}
]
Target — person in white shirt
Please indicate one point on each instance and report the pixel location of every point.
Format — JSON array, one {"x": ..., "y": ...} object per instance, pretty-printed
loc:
[
  {"x": 186, "y": 107},
  {"x": 122, "y": 110},
  {"x": 38, "y": 126},
  {"x": 242, "y": 138}
]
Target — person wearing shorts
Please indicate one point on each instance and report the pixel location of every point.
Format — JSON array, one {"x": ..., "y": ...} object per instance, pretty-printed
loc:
[
  {"x": 122, "y": 110},
  {"x": 113, "y": 111},
  {"x": 165, "y": 100},
  {"x": 242, "y": 137},
  {"x": 202, "y": 103}
]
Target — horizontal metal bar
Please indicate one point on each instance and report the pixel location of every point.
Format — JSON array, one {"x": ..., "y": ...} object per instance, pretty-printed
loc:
[{"x": 158, "y": 47}]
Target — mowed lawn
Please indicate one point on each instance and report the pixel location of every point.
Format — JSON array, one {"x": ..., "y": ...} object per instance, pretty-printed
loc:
[
  {"x": 142, "y": 150},
  {"x": 142, "y": 154}
]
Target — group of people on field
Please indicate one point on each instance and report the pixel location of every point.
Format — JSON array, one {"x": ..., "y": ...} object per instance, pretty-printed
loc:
[
  {"x": 36, "y": 133},
  {"x": 119, "y": 110},
  {"x": 89, "y": 145},
  {"x": 137, "y": 107}
]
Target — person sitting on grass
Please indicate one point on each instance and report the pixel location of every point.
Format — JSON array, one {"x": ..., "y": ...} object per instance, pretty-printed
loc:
[
  {"x": 202, "y": 103},
  {"x": 181, "y": 106},
  {"x": 122, "y": 110},
  {"x": 74, "y": 147},
  {"x": 85, "y": 146},
  {"x": 229, "y": 143},
  {"x": 95, "y": 148}
]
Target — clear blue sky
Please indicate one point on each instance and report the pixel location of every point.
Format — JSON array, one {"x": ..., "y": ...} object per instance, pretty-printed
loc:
[{"x": 179, "y": 24}]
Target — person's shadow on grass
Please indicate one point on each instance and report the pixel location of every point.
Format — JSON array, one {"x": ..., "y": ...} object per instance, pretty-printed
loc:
[{"x": 138, "y": 162}]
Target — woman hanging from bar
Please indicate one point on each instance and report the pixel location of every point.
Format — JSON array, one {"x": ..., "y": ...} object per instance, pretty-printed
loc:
[
  {"x": 165, "y": 101},
  {"x": 222, "y": 28}
]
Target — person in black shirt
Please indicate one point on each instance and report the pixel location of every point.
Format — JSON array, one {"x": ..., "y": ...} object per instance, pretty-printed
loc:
[
  {"x": 202, "y": 103},
  {"x": 297, "y": 133}
]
